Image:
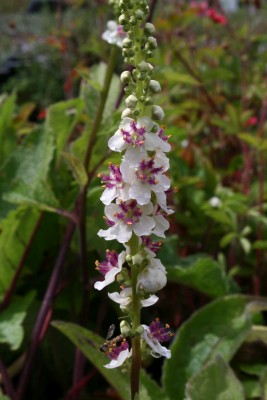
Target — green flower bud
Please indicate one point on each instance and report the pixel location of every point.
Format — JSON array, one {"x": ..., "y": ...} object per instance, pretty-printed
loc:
[
  {"x": 149, "y": 54},
  {"x": 152, "y": 42},
  {"x": 131, "y": 101},
  {"x": 127, "y": 42},
  {"x": 148, "y": 101},
  {"x": 139, "y": 330},
  {"x": 125, "y": 328},
  {"x": 157, "y": 113},
  {"x": 137, "y": 259},
  {"x": 143, "y": 66},
  {"x": 133, "y": 21},
  {"x": 139, "y": 14},
  {"x": 125, "y": 77},
  {"x": 150, "y": 29},
  {"x": 128, "y": 259},
  {"x": 154, "y": 86},
  {"x": 123, "y": 20},
  {"x": 136, "y": 113}
]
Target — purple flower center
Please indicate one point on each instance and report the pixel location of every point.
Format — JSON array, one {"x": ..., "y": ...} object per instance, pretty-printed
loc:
[
  {"x": 162, "y": 135},
  {"x": 160, "y": 332},
  {"x": 114, "y": 350},
  {"x": 134, "y": 136},
  {"x": 147, "y": 171},
  {"x": 153, "y": 246},
  {"x": 130, "y": 213},
  {"x": 120, "y": 31},
  {"x": 110, "y": 262},
  {"x": 114, "y": 179}
]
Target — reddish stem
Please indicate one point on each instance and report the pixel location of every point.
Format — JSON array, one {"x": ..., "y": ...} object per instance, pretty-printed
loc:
[{"x": 12, "y": 287}]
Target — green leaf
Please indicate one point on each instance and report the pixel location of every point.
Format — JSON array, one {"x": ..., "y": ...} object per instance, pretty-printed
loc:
[
  {"x": 4, "y": 398},
  {"x": 252, "y": 389},
  {"x": 215, "y": 381},
  {"x": 218, "y": 328},
  {"x": 89, "y": 343},
  {"x": 245, "y": 244},
  {"x": 25, "y": 173},
  {"x": 77, "y": 168},
  {"x": 227, "y": 239},
  {"x": 11, "y": 330},
  {"x": 16, "y": 230},
  {"x": 8, "y": 137},
  {"x": 176, "y": 77},
  {"x": 203, "y": 274},
  {"x": 61, "y": 120}
]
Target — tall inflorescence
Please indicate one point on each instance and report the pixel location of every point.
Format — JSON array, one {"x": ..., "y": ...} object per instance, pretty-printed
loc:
[{"x": 135, "y": 191}]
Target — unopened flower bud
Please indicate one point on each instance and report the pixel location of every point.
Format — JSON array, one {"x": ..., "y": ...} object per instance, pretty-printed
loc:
[
  {"x": 125, "y": 77},
  {"x": 128, "y": 259},
  {"x": 125, "y": 328},
  {"x": 139, "y": 14},
  {"x": 157, "y": 113},
  {"x": 143, "y": 66},
  {"x": 127, "y": 42},
  {"x": 123, "y": 19},
  {"x": 150, "y": 28},
  {"x": 133, "y": 21},
  {"x": 137, "y": 259},
  {"x": 154, "y": 86},
  {"x": 131, "y": 101},
  {"x": 152, "y": 42},
  {"x": 126, "y": 113},
  {"x": 148, "y": 101}
]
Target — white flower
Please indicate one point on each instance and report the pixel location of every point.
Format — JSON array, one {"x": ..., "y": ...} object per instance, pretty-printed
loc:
[
  {"x": 128, "y": 217},
  {"x": 122, "y": 357},
  {"x": 158, "y": 349},
  {"x": 144, "y": 174},
  {"x": 124, "y": 298},
  {"x": 153, "y": 277},
  {"x": 139, "y": 134},
  {"x": 161, "y": 223},
  {"x": 215, "y": 202},
  {"x": 114, "y": 185},
  {"x": 114, "y": 34},
  {"x": 110, "y": 268}
]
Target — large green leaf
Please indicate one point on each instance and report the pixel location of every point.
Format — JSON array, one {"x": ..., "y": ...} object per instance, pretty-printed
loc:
[
  {"x": 16, "y": 230},
  {"x": 203, "y": 274},
  {"x": 217, "y": 381},
  {"x": 218, "y": 328},
  {"x": 89, "y": 343},
  {"x": 61, "y": 119},
  {"x": 11, "y": 330},
  {"x": 25, "y": 173}
]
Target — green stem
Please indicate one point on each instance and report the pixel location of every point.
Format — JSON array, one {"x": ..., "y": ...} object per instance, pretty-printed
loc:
[
  {"x": 103, "y": 98},
  {"x": 136, "y": 349},
  {"x": 136, "y": 320}
]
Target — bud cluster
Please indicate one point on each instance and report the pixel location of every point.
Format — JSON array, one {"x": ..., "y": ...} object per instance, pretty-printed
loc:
[{"x": 138, "y": 48}]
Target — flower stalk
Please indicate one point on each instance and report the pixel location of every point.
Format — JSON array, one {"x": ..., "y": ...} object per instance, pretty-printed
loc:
[{"x": 135, "y": 195}]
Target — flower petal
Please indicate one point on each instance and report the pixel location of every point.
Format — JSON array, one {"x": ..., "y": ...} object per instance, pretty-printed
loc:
[{"x": 120, "y": 360}]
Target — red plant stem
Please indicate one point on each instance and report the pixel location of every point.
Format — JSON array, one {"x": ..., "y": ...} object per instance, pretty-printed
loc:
[
  {"x": 77, "y": 388},
  {"x": 247, "y": 168},
  {"x": 9, "y": 293},
  {"x": 38, "y": 331},
  {"x": 7, "y": 382}
]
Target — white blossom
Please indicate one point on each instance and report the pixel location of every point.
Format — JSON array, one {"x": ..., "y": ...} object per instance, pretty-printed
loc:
[
  {"x": 114, "y": 33},
  {"x": 126, "y": 218}
]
